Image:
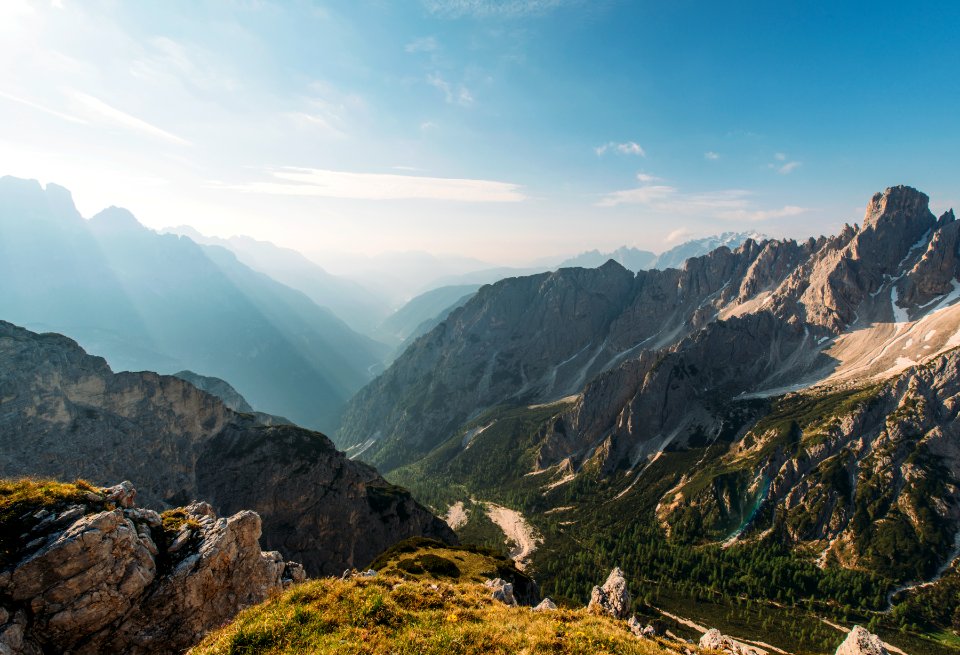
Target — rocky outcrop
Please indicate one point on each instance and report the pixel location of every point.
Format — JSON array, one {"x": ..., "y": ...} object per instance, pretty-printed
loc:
[
  {"x": 62, "y": 411},
  {"x": 714, "y": 640},
  {"x": 612, "y": 598},
  {"x": 92, "y": 577},
  {"x": 861, "y": 642},
  {"x": 502, "y": 591},
  {"x": 546, "y": 605}
]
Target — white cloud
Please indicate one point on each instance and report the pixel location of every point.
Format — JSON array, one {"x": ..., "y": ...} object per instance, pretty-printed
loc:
[
  {"x": 423, "y": 44},
  {"x": 727, "y": 204},
  {"x": 125, "y": 120},
  {"x": 779, "y": 156},
  {"x": 711, "y": 155},
  {"x": 646, "y": 178},
  {"x": 626, "y": 148},
  {"x": 492, "y": 8},
  {"x": 460, "y": 95},
  {"x": 680, "y": 234},
  {"x": 321, "y": 183},
  {"x": 789, "y": 167}
]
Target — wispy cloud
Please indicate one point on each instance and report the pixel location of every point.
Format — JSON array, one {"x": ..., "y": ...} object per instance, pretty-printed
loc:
[
  {"x": 291, "y": 181},
  {"x": 459, "y": 95},
  {"x": 423, "y": 44},
  {"x": 646, "y": 178},
  {"x": 627, "y": 148},
  {"x": 781, "y": 165},
  {"x": 727, "y": 204},
  {"x": 47, "y": 110},
  {"x": 122, "y": 119},
  {"x": 711, "y": 155},
  {"x": 680, "y": 234},
  {"x": 492, "y": 8}
]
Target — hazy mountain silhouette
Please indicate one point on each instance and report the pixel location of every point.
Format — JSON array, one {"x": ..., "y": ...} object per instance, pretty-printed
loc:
[{"x": 162, "y": 302}]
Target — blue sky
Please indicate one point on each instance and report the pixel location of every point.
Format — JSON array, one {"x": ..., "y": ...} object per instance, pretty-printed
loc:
[{"x": 501, "y": 129}]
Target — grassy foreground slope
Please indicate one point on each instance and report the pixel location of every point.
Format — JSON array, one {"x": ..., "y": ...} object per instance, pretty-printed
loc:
[{"x": 388, "y": 614}]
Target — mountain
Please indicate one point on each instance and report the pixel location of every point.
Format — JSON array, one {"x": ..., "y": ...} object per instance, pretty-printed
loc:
[
  {"x": 631, "y": 259},
  {"x": 65, "y": 414},
  {"x": 676, "y": 256},
  {"x": 161, "y": 302},
  {"x": 358, "y": 306},
  {"x": 423, "y": 312},
  {"x": 795, "y": 398}
]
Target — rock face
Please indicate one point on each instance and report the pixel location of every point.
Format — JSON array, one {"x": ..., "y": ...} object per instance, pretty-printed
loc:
[
  {"x": 861, "y": 642},
  {"x": 94, "y": 579},
  {"x": 612, "y": 598},
  {"x": 61, "y": 410},
  {"x": 870, "y": 475}
]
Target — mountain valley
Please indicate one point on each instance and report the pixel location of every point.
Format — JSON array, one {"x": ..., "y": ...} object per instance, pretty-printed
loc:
[{"x": 782, "y": 409}]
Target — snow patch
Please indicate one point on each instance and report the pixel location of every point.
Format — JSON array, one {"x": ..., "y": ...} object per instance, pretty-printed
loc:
[{"x": 899, "y": 313}]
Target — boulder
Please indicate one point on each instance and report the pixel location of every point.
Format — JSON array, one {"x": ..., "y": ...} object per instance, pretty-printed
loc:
[
  {"x": 545, "y": 605},
  {"x": 612, "y": 598},
  {"x": 861, "y": 642},
  {"x": 713, "y": 640},
  {"x": 502, "y": 591}
]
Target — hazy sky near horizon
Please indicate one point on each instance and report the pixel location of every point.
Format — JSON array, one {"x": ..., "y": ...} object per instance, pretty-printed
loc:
[{"x": 505, "y": 130}]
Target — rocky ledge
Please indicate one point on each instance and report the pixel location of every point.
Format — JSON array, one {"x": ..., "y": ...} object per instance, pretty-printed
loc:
[{"x": 92, "y": 573}]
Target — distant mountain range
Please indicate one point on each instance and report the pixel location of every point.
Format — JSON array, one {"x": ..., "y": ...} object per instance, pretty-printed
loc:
[
  {"x": 802, "y": 392},
  {"x": 358, "y": 306},
  {"x": 162, "y": 302}
]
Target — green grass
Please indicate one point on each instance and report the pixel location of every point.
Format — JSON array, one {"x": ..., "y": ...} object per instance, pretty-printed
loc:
[{"x": 410, "y": 617}]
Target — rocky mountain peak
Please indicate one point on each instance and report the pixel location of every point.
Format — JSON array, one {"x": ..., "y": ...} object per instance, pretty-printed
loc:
[
  {"x": 895, "y": 200},
  {"x": 29, "y": 199}
]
